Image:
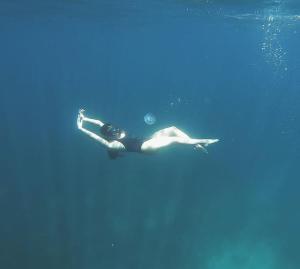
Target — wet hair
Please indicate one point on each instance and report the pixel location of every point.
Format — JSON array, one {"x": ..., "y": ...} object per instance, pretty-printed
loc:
[
  {"x": 110, "y": 132},
  {"x": 113, "y": 154}
]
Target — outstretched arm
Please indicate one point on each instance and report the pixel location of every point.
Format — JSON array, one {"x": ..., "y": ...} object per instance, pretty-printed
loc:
[{"x": 82, "y": 118}]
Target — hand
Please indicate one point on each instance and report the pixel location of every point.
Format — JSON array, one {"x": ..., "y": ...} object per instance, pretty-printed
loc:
[
  {"x": 80, "y": 118},
  {"x": 79, "y": 121},
  {"x": 80, "y": 112}
]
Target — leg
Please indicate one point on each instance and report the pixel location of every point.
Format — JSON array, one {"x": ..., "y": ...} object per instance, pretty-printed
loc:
[
  {"x": 175, "y": 132},
  {"x": 156, "y": 143},
  {"x": 170, "y": 131},
  {"x": 207, "y": 142}
]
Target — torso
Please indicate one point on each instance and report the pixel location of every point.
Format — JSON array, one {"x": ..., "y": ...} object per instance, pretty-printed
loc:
[
  {"x": 132, "y": 144},
  {"x": 127, "y": 143}
]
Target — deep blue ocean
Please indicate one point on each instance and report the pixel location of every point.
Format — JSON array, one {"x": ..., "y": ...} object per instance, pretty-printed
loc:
[{"x": 215, "y": 69}]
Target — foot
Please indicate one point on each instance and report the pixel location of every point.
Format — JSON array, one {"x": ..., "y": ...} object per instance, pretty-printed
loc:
[
  {"x": 207, "y": 142},
  {"x": 198, "y": 146},
  {"x": 213, "y": 141}
]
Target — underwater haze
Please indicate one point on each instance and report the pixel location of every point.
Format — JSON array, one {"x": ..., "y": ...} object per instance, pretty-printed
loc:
[{"x": 215, "y": 69}]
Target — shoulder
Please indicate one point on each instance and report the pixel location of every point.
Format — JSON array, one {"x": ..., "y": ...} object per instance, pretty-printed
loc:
[{"x": 116, "y": 145}]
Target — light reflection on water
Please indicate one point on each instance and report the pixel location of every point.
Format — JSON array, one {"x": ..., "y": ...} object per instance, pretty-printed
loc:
[
  {"x": 274, "y": 21},
  {"x": 274, "y": 17}
]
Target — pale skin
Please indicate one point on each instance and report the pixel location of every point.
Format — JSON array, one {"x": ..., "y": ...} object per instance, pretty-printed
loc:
[{"x": 160, "y": 139}]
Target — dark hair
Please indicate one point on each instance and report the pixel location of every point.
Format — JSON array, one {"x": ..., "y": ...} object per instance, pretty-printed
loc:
[
  {"x": 112, "y": 154},
  {"x": 110, "y": 132}
]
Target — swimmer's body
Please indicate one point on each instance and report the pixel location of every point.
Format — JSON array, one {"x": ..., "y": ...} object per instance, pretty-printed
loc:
[{"x": 116, "y": 140}]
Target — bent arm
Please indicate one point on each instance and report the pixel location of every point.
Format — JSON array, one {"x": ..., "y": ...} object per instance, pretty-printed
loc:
[
  {"x": 112, "y": 145},
  {"x": 94, "y": 136},
  {"x": 97, "y": 122},
  {"x": 80, "y": 119},
  {"x": 115, "y": 145}
]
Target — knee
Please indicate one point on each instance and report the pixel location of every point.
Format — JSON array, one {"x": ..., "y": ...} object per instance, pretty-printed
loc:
[{"x": 173, "y": 128}]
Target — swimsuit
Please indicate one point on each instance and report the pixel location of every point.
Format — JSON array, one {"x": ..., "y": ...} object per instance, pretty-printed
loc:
[{"x": 132, "y": 144}]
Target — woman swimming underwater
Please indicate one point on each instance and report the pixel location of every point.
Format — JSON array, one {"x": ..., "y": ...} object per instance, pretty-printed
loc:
[{"x": 116, "y": 140}]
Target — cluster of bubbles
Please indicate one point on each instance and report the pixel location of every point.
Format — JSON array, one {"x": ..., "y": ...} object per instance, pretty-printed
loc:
[
  {"x": 271, "y": 46},
  {"x": 174, "y": 102},
  {"x": 273, "y": 20}
]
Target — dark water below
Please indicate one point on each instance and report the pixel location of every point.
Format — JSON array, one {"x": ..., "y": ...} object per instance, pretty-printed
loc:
[{"x": 216, "y": 69}]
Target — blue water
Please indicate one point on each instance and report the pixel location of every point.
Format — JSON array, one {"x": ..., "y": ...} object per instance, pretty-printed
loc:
[{"x": 215, "y": 69}]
